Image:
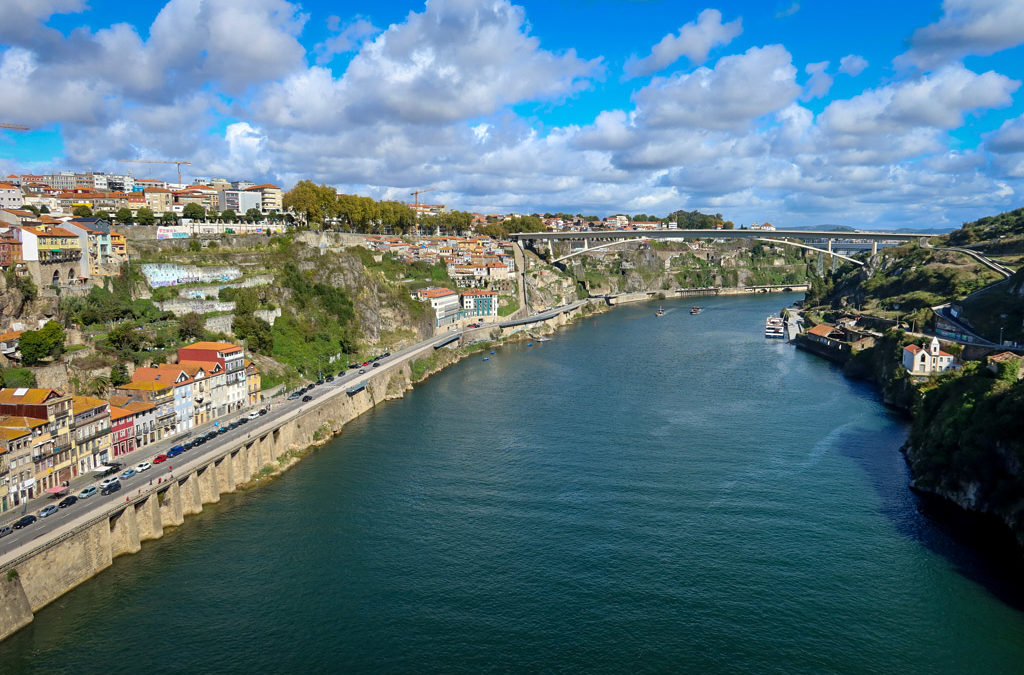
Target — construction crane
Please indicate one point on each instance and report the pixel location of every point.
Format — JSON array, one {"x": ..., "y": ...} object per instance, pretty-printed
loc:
[
  {"x": 179, "y": 162},
  {"x": 416, "y": 194},
  {"x": 13, "y": 126}
]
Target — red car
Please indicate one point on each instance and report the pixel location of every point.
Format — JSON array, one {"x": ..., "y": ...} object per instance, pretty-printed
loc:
[
  {"x": 366, "y": 363},
  {"x": 159, "y": 458}
]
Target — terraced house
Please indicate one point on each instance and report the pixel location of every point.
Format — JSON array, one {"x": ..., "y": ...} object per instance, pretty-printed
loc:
[
  {"x": 48, "y": 413},
  {"x": 92, "y": 432}
]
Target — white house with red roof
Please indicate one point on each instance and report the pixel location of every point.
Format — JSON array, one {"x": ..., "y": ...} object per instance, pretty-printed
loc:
[{"x": 920, "y": 361}]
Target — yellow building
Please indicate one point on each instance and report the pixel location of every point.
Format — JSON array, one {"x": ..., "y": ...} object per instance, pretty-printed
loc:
[
  {"x": 52, "y": 444},
  {"x": 92, "y": 432},
  {"x": 253, "y": 382}
]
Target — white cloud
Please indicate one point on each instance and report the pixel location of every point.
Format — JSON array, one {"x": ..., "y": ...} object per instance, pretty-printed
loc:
[
  {"x": 1008, "y": 138},
  {"x": 852, "y": 65},
  {"x": 967, "y": 27},
  {"x": 350, "y": 38},
  {"x": 789, "y": 11},
  {"x": 740, "y": 89},
  {"x": 820, "y": 81},
  {"x": 694, "y": 41}
]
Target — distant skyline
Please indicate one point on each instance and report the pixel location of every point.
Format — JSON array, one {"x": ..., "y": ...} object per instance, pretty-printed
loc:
[{"x": 895, "y": 114}]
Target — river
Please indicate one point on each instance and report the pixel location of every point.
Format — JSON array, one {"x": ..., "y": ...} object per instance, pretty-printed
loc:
[{"x": 671, "y": 494}]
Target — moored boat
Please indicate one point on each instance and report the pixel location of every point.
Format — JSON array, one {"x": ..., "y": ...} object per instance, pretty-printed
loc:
[
  {"x": 695, "y": 310},
  {"x": 774, "y": 327},
  {"x": 660, "y": 312}
]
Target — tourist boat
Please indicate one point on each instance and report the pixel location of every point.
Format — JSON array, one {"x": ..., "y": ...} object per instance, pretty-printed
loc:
[
  {"x": 660, "y": 312},
  {"x": 695, "y": 310},
  {"x": 774, "y": 328}
]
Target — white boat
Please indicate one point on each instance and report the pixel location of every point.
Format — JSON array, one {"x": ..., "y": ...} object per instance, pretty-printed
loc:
[
  {"x": 660, "y": 312},
  {"x": 775, "y": 328}
]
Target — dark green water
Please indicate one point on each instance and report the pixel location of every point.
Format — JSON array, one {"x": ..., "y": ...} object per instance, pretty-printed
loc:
[{"x": 670, "y": 495}]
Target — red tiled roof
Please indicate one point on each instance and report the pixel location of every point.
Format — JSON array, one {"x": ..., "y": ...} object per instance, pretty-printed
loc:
[{"x": 822, "y": 329}]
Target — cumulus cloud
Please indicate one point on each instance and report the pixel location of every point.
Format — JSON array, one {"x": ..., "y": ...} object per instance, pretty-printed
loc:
[
  {"x": 966, "y": 27},
  {"x": 348, "y": 39},
  {"x": 852, "y": 65},
  {"x": 694, "y": 41},
  {"x": 1008, "y": 138},
  {"x": 740, "y": 89},
  {"x": 820, "y": 81}
]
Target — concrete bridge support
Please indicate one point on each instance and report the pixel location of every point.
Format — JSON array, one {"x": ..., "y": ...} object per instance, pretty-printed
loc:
[
  {"x": 239, "y": 469},
  {"x": 170, "y": 505},
  {"x": 147, "y": 517},
  {"x": 191, "y": 501},
  {"x": 209, "y": 487},
  {"x": 821, "y": 264},
  {"x": 15, "y": 610},
  {"x": 225, "y": 468},
  {"x": 874, "y": 247},
  {"x": 124, "y": 532}
]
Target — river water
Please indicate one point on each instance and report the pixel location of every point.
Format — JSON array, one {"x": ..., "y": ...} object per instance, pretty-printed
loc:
[{"x": 637, "y": 494}]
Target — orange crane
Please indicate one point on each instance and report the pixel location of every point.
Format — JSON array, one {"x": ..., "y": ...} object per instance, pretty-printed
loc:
[
  {"x": 179, "y": 162},
  {"x": 416, "y": 194},
  {"x": 13, "y": 126}
]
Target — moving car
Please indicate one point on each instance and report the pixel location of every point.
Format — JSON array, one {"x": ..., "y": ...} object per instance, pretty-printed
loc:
[
  {"x": 127, "y": 473},
  {"x": 159, "y": 458},
  {"x": 48, "y": 510},
  {"x": 24, "y": 521},
  {"x": 113, "y": 487},
  {"x": 362, "y": 371},
  {"x": 5, "y": 530},
  {"x": 294, "y": 395},
  {"x": 88, "y": 492},
  {"x": 253, "y": 415},
  {"x": 307, "y": 398},
  {"x": 264, "y": 411},
  {"x": 67, "y": 501},
  {"x": 143, "y": 466},
  {"x": 107, "y": 482}
]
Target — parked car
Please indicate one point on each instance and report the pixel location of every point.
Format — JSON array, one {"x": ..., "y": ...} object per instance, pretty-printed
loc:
[
  {"x": 6, "y": 530},
  {"x": 222, "y": 430},
  {"x": 387, "y": 354},
  {"x": 113, "y": 487},
  {"x": 24, "y": 521},
  {"x": 254, "y": 414},
  {"x": 341, "y": 373},
  {"x": 67, "y": 501},
  {"x": 210, "y": 436},
  {"x": 142, "y": 466},
  {"x": 376, "y": 364},
  {"x": 362, "y": 371},
  {"x": 307, "y": 398},
  {"x": 160, "y": 459},
  {"x": 234, "y": 425},
  {"x": 107, "y": 481},
  {"x": 48, "y": 510},
  {"x": 190, "y": 445},
  {"x": 264, "y": 411},
  {"x": 88, "y": 492},
  {"x": 174, "y": 452},
  {"x": 329, "y": 378},
  {"x": 127, "y": 473},
  {"x": 294, "y": 395}
]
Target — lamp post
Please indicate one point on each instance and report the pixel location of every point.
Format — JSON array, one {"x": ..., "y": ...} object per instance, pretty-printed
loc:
[{"x": 1001, "y": 335}]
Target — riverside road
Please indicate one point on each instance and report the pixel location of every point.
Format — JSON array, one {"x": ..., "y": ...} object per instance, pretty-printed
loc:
[{"x": 22, "y": 541}]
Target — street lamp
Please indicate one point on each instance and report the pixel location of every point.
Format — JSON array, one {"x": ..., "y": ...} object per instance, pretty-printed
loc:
[{"x": 1001, "y": 335}]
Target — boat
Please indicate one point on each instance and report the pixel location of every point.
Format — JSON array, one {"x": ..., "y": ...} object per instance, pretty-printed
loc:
[
  {"x": 774, "y": 328},
  {"x": 660, "y": 312},
  {"x": 695, "y": 310},
  {"x": 487, "y": 358}
]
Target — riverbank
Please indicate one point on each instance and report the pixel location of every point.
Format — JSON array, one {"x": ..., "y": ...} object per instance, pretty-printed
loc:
[{"x": 37, "y": 574}]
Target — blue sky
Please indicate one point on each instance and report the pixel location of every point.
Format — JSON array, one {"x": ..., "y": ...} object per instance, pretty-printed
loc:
[{"x": 798, "y": 112}]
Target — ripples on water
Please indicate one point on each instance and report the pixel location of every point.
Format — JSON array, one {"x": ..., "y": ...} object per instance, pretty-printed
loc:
[{"x": 642, "y": 494}]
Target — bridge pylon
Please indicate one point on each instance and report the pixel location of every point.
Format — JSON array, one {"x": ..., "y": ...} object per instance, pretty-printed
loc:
[{"x": 821, "y": 264}]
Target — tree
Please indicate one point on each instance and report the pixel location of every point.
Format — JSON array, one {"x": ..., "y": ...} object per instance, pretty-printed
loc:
[
  {"x": 31, "y": 207},
  {"x": 253, "y": 215},
  {"x": 191, "y": 327},
  {"x": 81, "y": 212},
  {"x": 318, "y": 202},
  {"x": 168, "y": 218},
  {"x": 44, "y": 209},
  {"x": 145, "y": 216},
  {"x": 102, "y": 215},
  {"x": 193, "y": 212},
  {"x": 228, "y": 216},
  {"x": 124, "y": 338},
  {"x": 256, "y": 332},
  {"x": 119, "y": 375},
  {"x": 123, "y": 215},
  {"x": 37, "y": 345},
  {"x": 97, "y": 386}
]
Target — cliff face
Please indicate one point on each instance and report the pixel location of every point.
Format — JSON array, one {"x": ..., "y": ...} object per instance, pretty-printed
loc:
[
  {"x": 967, "y": 446},
  {"x": 882, "y": 365}
]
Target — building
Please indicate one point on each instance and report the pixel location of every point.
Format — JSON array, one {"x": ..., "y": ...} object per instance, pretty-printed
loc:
[
  {"x": 17, "y": 475},
  {"x": 931, "y": 361},
  {"x": 49, "y": 414},
  {"x": 232, "y": 359},
  {"x": 11, "y": 196},
  {"x": 445, "y": 303},
  {"x": 271, "y": 197},
  {"x": 9, "y": 344},
  {"x": 183, "y": 393},
  {"x": 994, "y": 361},
  {"x": 92, "y": 432},
  {"x": 239, "y": 201},
  {"x": 143, "y": 421},
  {"x": 122, "y": 431},
  {"x": 427, "y": 209},
  {"x": 479, "y": 303},
  {"x": 10, "y": 250},
  {"x": 253, "y": 384},
  {"x": 158, "y": 199},
  {"x": 161, "y": 396},
  {"x": 208, "y": 394}
]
